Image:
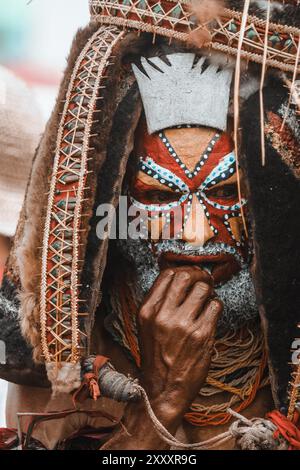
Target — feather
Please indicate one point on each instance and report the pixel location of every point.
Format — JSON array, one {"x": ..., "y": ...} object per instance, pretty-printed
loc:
[{"x": 204, "y": 11}]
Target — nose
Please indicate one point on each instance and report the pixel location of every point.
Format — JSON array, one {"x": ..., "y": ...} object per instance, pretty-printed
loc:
[{"x": 196, "y": 228}]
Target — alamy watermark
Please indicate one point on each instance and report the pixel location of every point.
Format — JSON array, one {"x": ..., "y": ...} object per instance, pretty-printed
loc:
[
  {"x": 296, "y": 351},
  {"x": 130, "y": 221}
]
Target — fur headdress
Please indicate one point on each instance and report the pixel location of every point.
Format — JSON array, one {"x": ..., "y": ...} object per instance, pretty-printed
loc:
[{"x": 58, "y": 262}]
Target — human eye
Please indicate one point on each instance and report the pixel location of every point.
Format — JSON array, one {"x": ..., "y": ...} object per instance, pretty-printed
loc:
[
  {"x": 157, "y": 196},
  {"x": 226, "y": 191}
]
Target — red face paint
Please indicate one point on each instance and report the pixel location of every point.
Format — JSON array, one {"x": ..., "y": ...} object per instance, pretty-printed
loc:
[{"x": 220, "y": 203}]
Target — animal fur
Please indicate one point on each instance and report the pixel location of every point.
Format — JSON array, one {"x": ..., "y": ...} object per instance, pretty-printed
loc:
[
  {"x": 64, "y": 379},
  {"x": 284, "y": 14},
  {"x": 19, "y": 366},
  {"x": 274, "y": 204},
  {"x": 28, "y": 246}
]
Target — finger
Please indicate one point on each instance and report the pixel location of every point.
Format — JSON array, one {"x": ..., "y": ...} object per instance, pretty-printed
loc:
[
  {"x": 157, "y": 293},
  {"x": 197, "y": 299},
  {"x": 183, "y": 281},
  {"x": 208, "y": 318}
]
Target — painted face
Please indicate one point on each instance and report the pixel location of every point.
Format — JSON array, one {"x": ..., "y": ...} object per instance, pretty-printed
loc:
[{"x": 192, "y": 170}]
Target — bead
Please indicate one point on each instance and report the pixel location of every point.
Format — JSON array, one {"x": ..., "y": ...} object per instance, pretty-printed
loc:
[
  {"x": 73, "y": 124},
  {"x": 67, "y": 234},
  {"x": 64, "y": 204},
  {"x": 76, "y": 138},
  {"x": 59, "y": 246},
  {"x": 251, "y": 34},
  {"x": 62, "y": 272},
  {"x": 79, "y": 99},
  {"x": 70, "y": 150},
  {"x": 232, "y": 27},
  {"x": 79, "y": 112},
  {"x": 65, "y": 298},
  {"x": 64, "y": 258},
  {"x": 69, "y": 178}
]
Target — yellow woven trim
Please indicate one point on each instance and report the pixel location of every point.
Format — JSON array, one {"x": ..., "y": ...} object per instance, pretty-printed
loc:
[
  {"x": 59, "y": 318},
  {"x": 158, "y": 18},
  {"x": 185, "y": 37}
]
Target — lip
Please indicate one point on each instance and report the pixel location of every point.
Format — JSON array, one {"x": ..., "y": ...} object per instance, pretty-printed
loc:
[{"x": 223, "y": 265}]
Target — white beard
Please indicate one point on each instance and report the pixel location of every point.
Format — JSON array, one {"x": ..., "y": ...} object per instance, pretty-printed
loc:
[{"x": 237, "y": 294}]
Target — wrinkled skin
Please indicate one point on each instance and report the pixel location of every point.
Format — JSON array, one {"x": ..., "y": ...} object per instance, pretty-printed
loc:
[{"x": 177, "y": 324}]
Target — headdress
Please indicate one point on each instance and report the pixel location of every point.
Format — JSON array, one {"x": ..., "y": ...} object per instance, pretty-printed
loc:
[
  {"x": 202, "y": 95},
  {"x": 83, "y": 155}
]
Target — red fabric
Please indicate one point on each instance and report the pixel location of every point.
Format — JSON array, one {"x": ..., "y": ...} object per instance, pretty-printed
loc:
[
  {"x": 8, "y": 438},
  {"x": 90, "y": 387},
  {"x": 286, "y": 428},
  {"x": 91, "y": 379}
]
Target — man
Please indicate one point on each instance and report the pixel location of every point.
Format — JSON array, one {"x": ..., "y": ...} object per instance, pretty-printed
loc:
[{"x": 180, "y": 313}]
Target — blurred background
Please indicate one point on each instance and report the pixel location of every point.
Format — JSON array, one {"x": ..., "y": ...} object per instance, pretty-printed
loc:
[{"x": 35, "y": 38}]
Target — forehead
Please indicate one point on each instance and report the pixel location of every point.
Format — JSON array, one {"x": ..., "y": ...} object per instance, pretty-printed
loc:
[
  {"x": 189, "y": 143},
  {"x": 183, "y": 150}
]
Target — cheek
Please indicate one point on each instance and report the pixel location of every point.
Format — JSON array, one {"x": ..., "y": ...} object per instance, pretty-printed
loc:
[
  {"x": 230, "y": 231},
  {"x": 156, "y": 226},
  {"x": 236, "y": 227},
  {"x": 165, "y": 225}
]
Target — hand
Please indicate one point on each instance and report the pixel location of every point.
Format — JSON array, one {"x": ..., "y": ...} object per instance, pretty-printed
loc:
[{"x": 177, "y": 325}]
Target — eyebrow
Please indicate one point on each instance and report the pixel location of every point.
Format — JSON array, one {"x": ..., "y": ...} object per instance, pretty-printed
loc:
[
  {"x": 228, "y": 181},
  {"x": 154, "y": 183}
]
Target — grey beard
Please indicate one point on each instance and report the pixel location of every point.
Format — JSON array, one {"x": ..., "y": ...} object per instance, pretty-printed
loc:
[{"x": 237, "y": 294}]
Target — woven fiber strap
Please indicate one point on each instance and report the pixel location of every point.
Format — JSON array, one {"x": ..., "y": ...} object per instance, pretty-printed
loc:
[
  {"x": 61, "y": 333},
  {"x": 174, "y": 19}
]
